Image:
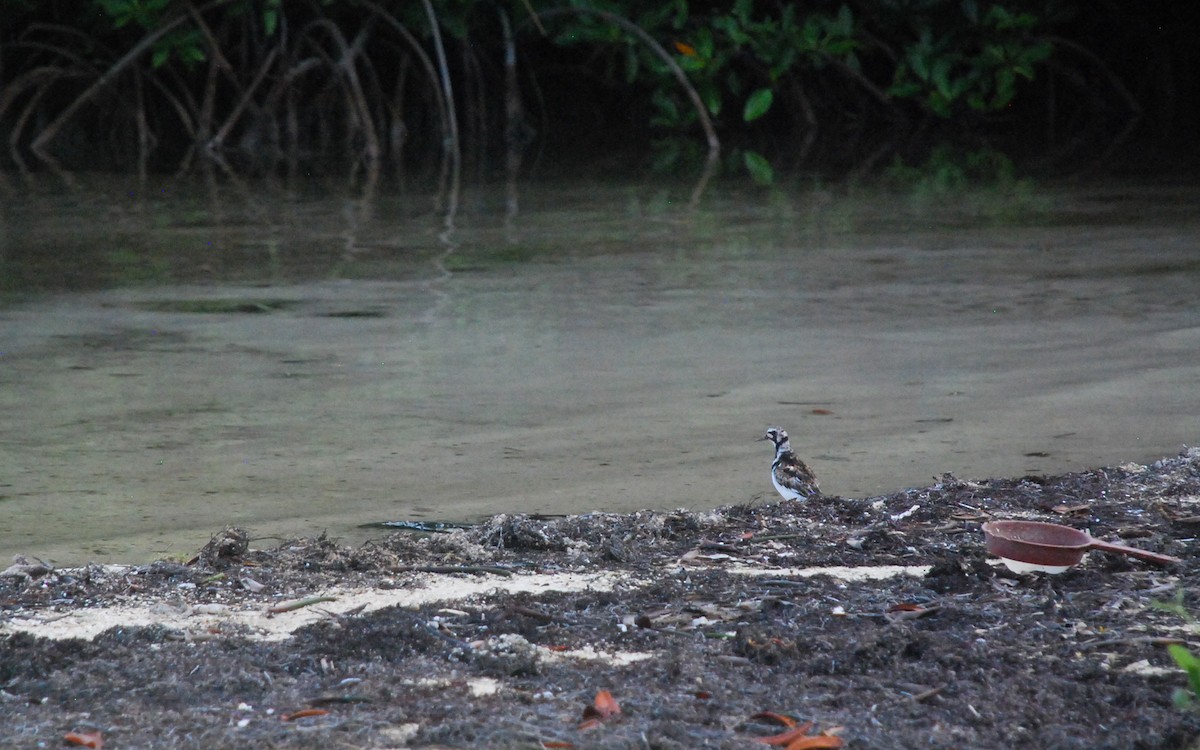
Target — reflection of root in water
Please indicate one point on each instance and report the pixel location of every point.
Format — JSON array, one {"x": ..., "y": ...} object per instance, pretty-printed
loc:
[{"x": 446, "y": 238}]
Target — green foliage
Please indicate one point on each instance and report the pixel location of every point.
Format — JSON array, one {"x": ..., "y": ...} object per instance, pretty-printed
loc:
[
  {"x": 956, "y": 58},
  {"x": 186, "y": 45},
  {"x": 949, "y": 170},
  {"x": 270, "y": 17},
  {"x": 1183, "y": 658},
  {"x": 757, "y": 104},
  {"x": 983, "y": 183},
  {"x": 143, "y": 13},
  {"x": 974, "y": 63},
  {"x": 758, "y": 70},
  {"x": 759, "y": 168},
  {"x": 1188, "y": 662}
]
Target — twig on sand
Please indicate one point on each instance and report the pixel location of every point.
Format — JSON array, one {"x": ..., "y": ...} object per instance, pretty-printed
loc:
[{"x": 298, "y": 603}]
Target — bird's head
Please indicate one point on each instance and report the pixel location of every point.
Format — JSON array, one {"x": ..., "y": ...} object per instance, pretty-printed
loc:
[{"x": 776, "y": 435}]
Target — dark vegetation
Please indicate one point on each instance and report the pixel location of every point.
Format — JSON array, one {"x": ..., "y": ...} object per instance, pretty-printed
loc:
[
  {"x": 445, "y": 87},
  {"x": 968, "y": 655}
]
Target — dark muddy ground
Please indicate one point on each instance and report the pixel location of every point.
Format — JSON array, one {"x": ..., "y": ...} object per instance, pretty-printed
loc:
[{"x": 968, "y": 656}]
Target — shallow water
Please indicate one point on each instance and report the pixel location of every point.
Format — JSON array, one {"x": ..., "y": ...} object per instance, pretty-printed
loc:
[{"x": 174, "y": 357}]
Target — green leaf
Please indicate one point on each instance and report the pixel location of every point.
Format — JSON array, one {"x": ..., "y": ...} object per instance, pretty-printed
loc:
[
  {"x": 940, "y": 77},
  {"x": 1006, "y": 88},
  {"x": 918, "y": 62},
  {"x": 1188, "y": 662},
  {"x": 668, "y": 110},
  {"x": 904, "y": 89},
  {"x": 192, "y": 55},
  {"x": 1039, "y": 51},
  {"x": 742, "y": 10},
  {"x": 711, "y": 96},
  {"x": 786, "y": 59},
  {"x": 703, "y": 42},
  {"x": 810, "y": 35},
  {"x": 759, "y": 168},
  {"x": 845, "y": 21},
  {"x": 757, "y": 105},
  {"x": 731, "y": 29},
  {"x": 939, "y": 104}
]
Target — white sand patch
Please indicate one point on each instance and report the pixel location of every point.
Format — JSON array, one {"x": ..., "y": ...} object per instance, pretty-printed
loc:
[
  {"x": 1146, "y": 669},
  {"x": 203, "y": 620},
  {"x": 480, "y": 687},
  {"x": 616, "y": 658},
  {"x": 853, "y": 575}
]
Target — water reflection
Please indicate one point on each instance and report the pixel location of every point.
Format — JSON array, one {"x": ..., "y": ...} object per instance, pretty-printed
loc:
[{"x": 181, "y": 355}]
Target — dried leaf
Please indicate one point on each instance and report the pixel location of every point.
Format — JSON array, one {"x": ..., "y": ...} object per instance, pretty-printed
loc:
[
  {"x": 906, "y": 611},
  {"x": 85, "y": 739},
  {"x": 1068, "y": 509},
  {"x": 303, "y": 713},
  {"x": 779, "y": 719},
  {"x": 591, "y": 723},
  {"x": 787, "y": 737},
  {"x": 820, "y": 741},
  {"x": 557, "y": 744},
  {"x": 822, "y": 412}
]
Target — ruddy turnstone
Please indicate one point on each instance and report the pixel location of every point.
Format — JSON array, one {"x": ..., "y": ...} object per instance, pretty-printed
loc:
[{"x": 791, "y": 476}]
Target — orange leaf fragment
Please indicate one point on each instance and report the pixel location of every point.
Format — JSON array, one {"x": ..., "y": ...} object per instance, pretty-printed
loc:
[
  {"x": 780, "y": 719},
  {"x": 85, "y": 739},
  {"x": 787, "y": 737},
  {"x": 686, "y": 50},
  {"x": 591, "y": 723},
  {"x": 303, "y": 713},
  {"x": 820, "y": 741},
  {"x": 606, "y": 706}
]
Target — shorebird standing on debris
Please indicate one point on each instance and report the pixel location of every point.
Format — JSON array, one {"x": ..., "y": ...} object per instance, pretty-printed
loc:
[{"x": 791, "y": 476}]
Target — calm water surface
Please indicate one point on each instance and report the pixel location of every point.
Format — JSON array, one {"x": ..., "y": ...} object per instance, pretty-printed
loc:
[{"x": 178, "y": 356}]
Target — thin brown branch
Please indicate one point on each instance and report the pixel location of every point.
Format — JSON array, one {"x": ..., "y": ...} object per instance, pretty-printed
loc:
[
  {"x": 50, "y": 132},
  {"x": 359, "y": 106},
  {"x": 426, "y": 63},
  {"x": 221, "y": 134}
]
